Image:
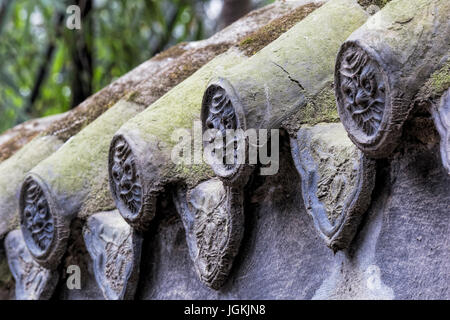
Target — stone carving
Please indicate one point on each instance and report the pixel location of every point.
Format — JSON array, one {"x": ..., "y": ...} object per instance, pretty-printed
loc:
[
  {"x": 126, "y": 185},
  {"x": 383, "y": 65},
  {"x": 365, "y": 107},
  {"x": 441, "y": 116},
  {"x": 33, "y": 282},
  {"x": 115, "y": 249},
  {"x": 45, "y": 230},
  {"x": 37, "y": 219},
  {"x": 362, "y": 90},
  {"x": 337, "y": 181},
  {"x": 221, "y": 117},
  {"x": 213, "y": 218},
  {"x": 12, "y": 174},
  {"x": 219, "y": 114}
]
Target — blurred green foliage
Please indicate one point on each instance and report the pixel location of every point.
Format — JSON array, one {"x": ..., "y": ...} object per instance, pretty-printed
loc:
[
  {"x": 123, "y": 34},
  {"x": 119, "y": 34}
]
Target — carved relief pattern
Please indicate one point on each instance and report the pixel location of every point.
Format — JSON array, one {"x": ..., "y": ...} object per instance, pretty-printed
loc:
[
  {"x": 126, "y": 180},
  {"x": 441, "y": 117},
  {"x": 362, "y": 90},
  {"x": 221, "y": 116},
  {"x": 213, "y": 220},
  {"x": 33, "y": 282},
  {"x": 115, "y": 251},
  {"x": 337, "y": 181},
  {"x": 37, "y": 218},
  {"x": 211, "y": 232},
  {"x": 338, "y": 175},
  {"x": 116, "y": 257}
]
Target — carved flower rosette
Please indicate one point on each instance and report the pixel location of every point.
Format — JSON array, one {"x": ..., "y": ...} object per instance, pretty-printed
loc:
[
  {"x": 125, "y": 180},
  {"x": 223, "y": 139},
  {"x": 44, "y": 230},
  {"x": 364, "y": 100}
]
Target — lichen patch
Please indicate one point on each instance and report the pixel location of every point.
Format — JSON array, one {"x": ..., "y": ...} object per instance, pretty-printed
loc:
[
  {"x": 319, "y": 108},
  {"x": 265, "y": 35},
  {"x": 367, "y": 3},
  {"x": 185, "y": 66},
  {"x": 172, "y": 52},
  {"x": 436, "y": 85}
]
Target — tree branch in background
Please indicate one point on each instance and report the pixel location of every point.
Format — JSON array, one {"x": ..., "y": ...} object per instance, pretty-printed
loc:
[
  {"x": 81, "y": 53},
  {"x": 233, "y": 10},
  {"x": 4, "y": 5},
  {"x": 45, "y": 64},
  {"x": 164, "y": 40}
]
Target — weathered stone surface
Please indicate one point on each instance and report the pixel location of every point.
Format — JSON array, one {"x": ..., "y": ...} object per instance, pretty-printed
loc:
[
  {"x": 148, "y": 81},
  {"x": 115, "y": 249},
  {"x": 441, "y": 117},
  {"x": 280, "y": 80},
  {"x": 71, "y": 182},
  {"x": 33, "y": 282},
  {"x": 12, "y": 173},
  {"x": 15, "y": 138},
  {"x": 337, "y": 181},
  {"x": 382, "y": 66},
  {"x": 148, "y": 137},
  {"x": 281, "y": 255},
  {"x": 77, "y": 256},
  {"x": 213, "y": 218},
  {"x": 140, "y": 155},
  {"x": 400, "y": 251}
]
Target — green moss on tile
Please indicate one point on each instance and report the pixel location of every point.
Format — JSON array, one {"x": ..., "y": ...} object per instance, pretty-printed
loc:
[
  {"x": 265, "y": 35},
  {"x": 440, "y": 80},
  {"x": 181, "y": 105},
  {"x": 437, "y": 84},
  {"x": 12, "y": 173},
  {"x": 79, "y": 163},
  {"x": 192, "y": 175},
  {"x": 80, "y": 118},
  {"x": 179, "y": 109},
  {"x": 319, "y": 108},
  {"x": 99, "y": 198},
  {"x": 6, "y": 277},
  {"x": 185, "y": 66}
]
